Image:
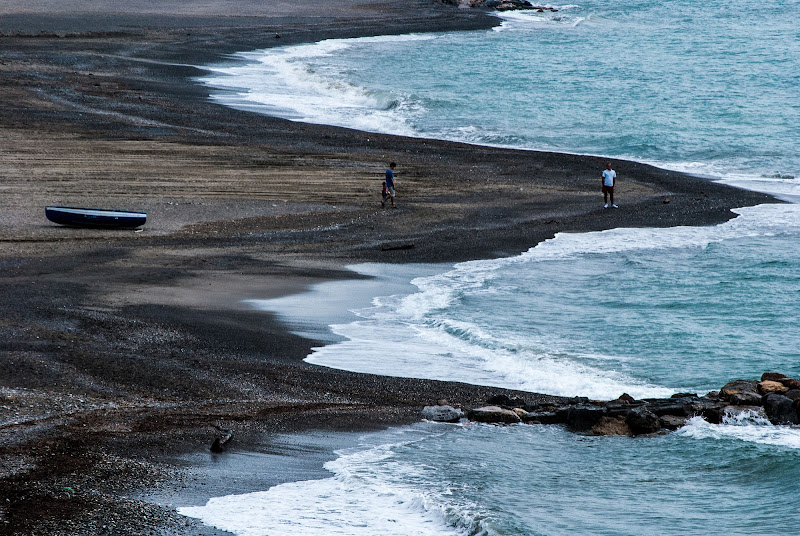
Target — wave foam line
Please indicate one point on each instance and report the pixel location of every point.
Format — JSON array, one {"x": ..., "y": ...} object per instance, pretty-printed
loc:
[
  {"x": 367, "y": 495},
  {"x": 751, "y": 431}
]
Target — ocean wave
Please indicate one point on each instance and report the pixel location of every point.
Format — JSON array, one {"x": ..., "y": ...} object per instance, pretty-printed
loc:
[
  {"x": 290, "y": 82},
  {"x": 423, "y": 335},
  {"x": 552, "y": 15},
  {"x": 371, "y": 492},
  {"x": 748, "y": 430},
  {"x": 388, "y": 342}
]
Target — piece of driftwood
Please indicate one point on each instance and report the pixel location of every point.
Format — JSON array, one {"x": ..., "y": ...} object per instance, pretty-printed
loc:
[
  {"x": 222, "y": 440},
  {"x": 395, "y": 247}
]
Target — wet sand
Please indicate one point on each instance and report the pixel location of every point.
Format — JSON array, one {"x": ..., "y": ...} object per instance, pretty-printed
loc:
[{"x": 121, "y": 351}]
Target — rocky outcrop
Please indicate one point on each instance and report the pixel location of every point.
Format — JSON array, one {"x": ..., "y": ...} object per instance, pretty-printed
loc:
[
  {"x": 774, "y": 397},
  {"x": 500, "y": 5}
]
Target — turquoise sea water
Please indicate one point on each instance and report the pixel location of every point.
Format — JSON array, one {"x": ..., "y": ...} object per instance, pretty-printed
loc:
[{"x": 709, "y": 87}]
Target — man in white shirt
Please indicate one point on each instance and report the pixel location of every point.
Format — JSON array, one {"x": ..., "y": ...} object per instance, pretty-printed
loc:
[{"x": 609, "y": 180}]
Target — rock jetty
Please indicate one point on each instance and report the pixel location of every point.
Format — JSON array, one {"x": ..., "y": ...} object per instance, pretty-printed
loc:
[{"x": 776, "y": 397}]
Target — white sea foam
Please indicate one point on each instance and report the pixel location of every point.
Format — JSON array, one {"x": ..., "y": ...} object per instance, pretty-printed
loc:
[
  {"x": 748, "y": 430},
  {"x": 370, "y": 493},
  {"x": 290, "y": 82},
  {"x": 413, "y": 336},
  {"x": 522, "y": 20}
]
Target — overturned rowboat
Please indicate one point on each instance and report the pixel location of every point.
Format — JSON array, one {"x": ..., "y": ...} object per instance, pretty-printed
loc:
[{"x": 95, "y": 217}]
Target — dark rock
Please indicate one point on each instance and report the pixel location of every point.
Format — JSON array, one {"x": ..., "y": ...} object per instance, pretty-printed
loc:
[
  {"x": 745, "y": 399},
  {"x": 611, "y": 426},
  {"x": 493, "y": 414},
  {"x": 542, "y": 417},
  {"x": 780, "y": 409},
  {"x": 708, "y": 408},
  {"x": 643, "y": 421},
  {"x": 684, "y": 395},
  {"x": 794, "y": 394},
  {"x": 772, "y": 376},
  {"x": 713, "y": 413},
  {"x": 222, "y": 441},
  {"x": 624, "y": 398},
  {"x": 791, "y": 383},
  {"x": 619, "y": 410},
  {"x": 675, "y": 407},
  {"x": 504, "y": 5},
  {"x": 672, "y": 422},
  {"x": 584, "y": 416},
  {"x": 442, "y": 413},
  {"x": 576, "y": 400}
]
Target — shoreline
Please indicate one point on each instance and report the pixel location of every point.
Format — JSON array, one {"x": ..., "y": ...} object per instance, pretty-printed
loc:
[{"x": 124, "y": 350}]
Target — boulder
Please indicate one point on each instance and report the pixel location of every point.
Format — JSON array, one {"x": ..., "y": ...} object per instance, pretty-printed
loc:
[
  {"x": 772, "y": 376},
  {"x": 780, "y": 409},
  {"x": 769, "y": 386},
  {"x": 791, "y": 383},
  {"x": 713, "y": 413},
  {"x": 738, "y": 386},
  {"x": 642, "y": 421},
  {"x": 493, "y": 414},
  {"x": 442, "y": 413},
  {"x": 745, "y": 399},
  {"x": 583, "y": 416},
  {"x": 624, "y": 398},
  {"x": 611, "y": 426}
]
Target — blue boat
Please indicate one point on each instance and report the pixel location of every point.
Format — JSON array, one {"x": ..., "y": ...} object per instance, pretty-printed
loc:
[{"x": 95, "y": 217}]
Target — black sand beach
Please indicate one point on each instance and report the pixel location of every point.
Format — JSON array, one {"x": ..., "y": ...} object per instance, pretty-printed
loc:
[{"x": 121, "y": 351}]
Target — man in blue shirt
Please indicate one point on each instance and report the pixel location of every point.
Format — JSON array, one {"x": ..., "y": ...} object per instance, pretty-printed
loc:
[{"x": 390, "y": 184}]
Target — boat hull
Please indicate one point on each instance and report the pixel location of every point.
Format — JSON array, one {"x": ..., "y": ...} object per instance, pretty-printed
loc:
[{"x": 95, "y": 217}]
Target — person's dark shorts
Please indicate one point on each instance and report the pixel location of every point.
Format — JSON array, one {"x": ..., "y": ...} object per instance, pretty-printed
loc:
[{"x": 608, "y": 189}]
